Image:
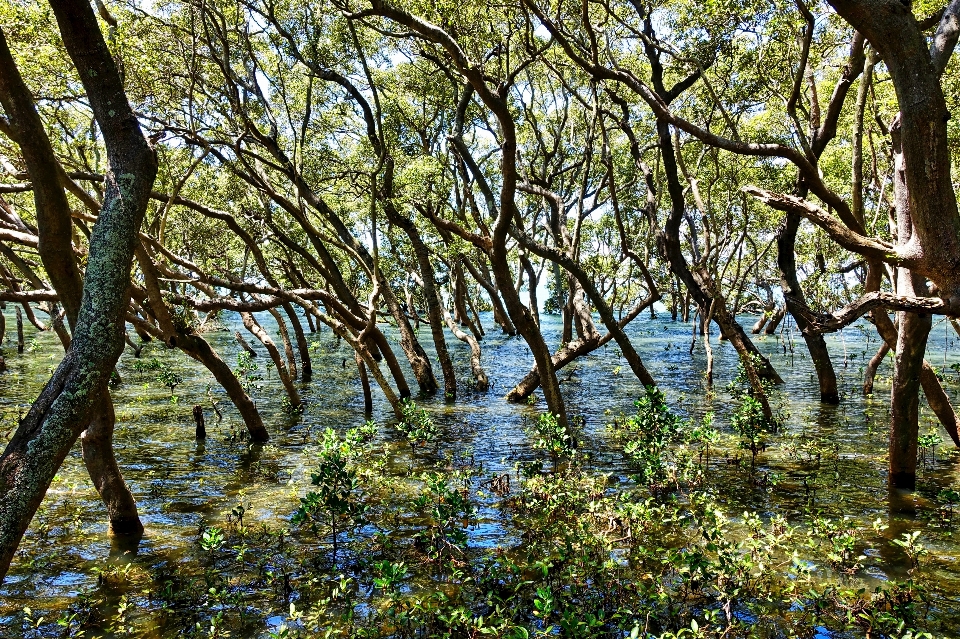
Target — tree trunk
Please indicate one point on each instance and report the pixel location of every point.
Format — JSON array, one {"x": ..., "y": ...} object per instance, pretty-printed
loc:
[
  {"x": 306, "y": 367},
  {"x": 870, "y": 373},
  {"x": 500, "y": 315},
  {"x": 699, "y": 283},
  {"x": 198, "y": 348},
  {"x": 201, "y": 430},
  {"x": 419, "y": 362},
  {"x": 432, "y": 298},
  {"x": 20, "y": 342},
  {"x": 74, "y": 393},
  {"x": 257, "y": 331},
  {"x": 775, "y": 320},
  {"x": 287, "y": 344},
  {"x": 905, "y": 399},
  {"x": 479, "y": 375},
  {"x": 364, "y": 385},
  {"x": 96, "y": 444},
  {"x": 244, "y": 344},
  {"x": 793, "y": 294}
]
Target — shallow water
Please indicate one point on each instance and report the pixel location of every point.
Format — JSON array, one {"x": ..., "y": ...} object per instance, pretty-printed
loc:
[{"x": 181, "y": 484}]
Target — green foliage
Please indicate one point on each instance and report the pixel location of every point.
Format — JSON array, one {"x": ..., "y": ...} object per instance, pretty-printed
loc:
[
  {"x": 168, "y": 377},
  {"x": 554, "y": 438},
  {"x": 417, "y": 424},
  {"x": 337, "y": 504},
  {"x": 246, "y": 371},
  {"x": 749, "y": 421}
]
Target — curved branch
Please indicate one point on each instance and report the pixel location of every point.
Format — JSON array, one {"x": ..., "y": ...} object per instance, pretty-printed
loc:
[
  {"x": 832, "y": 322},
  {"x": 838, "y": 232}
]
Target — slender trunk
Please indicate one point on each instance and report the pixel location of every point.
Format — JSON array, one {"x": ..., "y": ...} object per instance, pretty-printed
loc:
[
  {"x": 287, "y": 344},
  {"x": 419, "y": 362},
  {"x": 479, "y": 375},
  {"x": 568, "y": 352},
  {"x": 500, "y": 315},
  {"x": 365, "y": 385},
  {"x": 527, "y": 327},
  {"x": 698, "y": 282},
  {"x": 306, "y": 367},
  {"x": 199, "y": 422},
  {"x": 460, "y": 303},
  {"x": 257, "y": 331},
  {"x": 793, "y": 295},
  {"x": 708, "y": 347},
  {"x": 198, "y": 348},
  {"x": 244, "y": 344},
  {"x": 870, "y": 373},
  {"x": 527, "y": 266},
  {"x": 432, "y": 298},
  {"x": 20, "y": 342}
]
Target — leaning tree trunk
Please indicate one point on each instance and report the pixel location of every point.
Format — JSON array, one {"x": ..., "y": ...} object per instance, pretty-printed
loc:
[
  {"x": 698, "y": 283},
  {"x": 287, "y": 344},
  {"x": 479, "y": 375},
  {"x": 257, "y": 331},
  {"x": 75, "y": 391},
  {"x": 96, "y": 445},
  {"x": 198, "y": 348},
  {"x": 55, "y": 245},
  {"x": 870, "y": 374},
  {"x": 306, "y": 367},
  {"x": 793, "y": 295},
  {"x": 432, "y": 298}
]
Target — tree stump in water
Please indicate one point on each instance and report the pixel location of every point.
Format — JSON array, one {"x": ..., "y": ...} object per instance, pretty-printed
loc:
[
  {"x": 198, "y": 418},
  {"x": 3, "y": 364}
]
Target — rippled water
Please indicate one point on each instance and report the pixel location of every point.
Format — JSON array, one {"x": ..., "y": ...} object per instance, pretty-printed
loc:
[{"x": 180, "y": 483}]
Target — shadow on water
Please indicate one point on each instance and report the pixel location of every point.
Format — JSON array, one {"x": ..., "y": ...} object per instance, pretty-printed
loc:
[{"x": 828, "y": 459}]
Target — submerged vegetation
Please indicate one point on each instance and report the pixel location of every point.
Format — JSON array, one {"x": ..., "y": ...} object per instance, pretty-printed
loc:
[
  {"x": 393, "y": 318},
  {"x": 654, "y": 522}
]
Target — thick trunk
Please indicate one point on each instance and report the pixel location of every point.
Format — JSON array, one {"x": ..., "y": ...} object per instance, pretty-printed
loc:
[
  {"x": 72, "y": 396},
  {"x": 932, "y": 388},
  {"x": 905, "y": 399},
  {"x": 96, "y": 444},
  {"x": 760, "y": 323},
  {"x": 775, "y": 320},
  {"x": 55, "y": 245}
]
